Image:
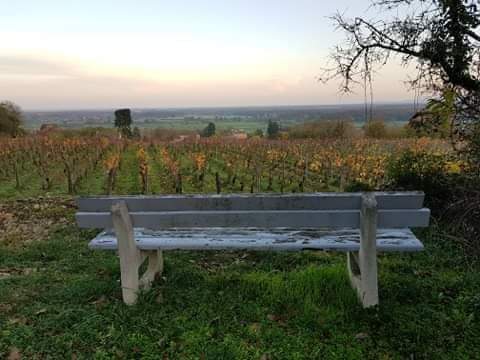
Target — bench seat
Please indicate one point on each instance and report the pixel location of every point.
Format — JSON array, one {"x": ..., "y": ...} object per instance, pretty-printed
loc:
[
  {"x": 280, "y": 239},
  {"x": 359, "y": 224}
]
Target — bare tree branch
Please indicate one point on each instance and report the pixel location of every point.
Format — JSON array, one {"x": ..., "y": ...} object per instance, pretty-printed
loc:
[{"x": 438, "y": 35}]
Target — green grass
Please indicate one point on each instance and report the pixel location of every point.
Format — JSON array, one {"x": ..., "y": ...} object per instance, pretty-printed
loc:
[
  {"x": 127, "y": 179},
  {"x": 30, "y": 185},
  {"x": 222, "y": 305}
]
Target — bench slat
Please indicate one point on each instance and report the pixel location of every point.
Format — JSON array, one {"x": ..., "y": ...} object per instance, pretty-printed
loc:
[
  {"x": 260, "y": 239},
  {"x": 262, "y": 219},
  {"x": 241, "y": 202}
]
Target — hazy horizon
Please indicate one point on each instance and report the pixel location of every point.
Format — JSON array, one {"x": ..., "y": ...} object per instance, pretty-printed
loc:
[
  {"x": 186, "y": 107},
  {"x": 90, "y": 55}
]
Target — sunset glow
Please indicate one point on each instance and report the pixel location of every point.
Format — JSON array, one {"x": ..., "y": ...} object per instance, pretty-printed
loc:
[{"x": 155, "y": 54}]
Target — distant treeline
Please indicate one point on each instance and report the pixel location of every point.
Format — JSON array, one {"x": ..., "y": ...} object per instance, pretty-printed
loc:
[
  {"x": 378, "y": 129},
  {"x": 316, "y": 130},
  {"x": 291, "y": 114}
]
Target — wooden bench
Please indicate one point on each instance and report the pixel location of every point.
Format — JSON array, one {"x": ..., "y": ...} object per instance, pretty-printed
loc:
[{"x": 359, "y": 224}]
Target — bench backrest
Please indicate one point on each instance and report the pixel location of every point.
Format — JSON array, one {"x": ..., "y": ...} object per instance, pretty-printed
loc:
[{"x": 313, "y": 210}]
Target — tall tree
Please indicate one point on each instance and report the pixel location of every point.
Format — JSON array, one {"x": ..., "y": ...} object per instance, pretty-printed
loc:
[
  {"x": 209, "y": 130},
  {"x": 439, "y": 36},
  {"x": 123, "y": 122},
  {"x": 11, "y": 119},
  {"x": 273, "y": 129}
]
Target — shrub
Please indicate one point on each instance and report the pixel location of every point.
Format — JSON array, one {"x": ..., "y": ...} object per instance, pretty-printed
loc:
[
  {"x": 451, "y": 192},
  {"x": 397, "y": 132},
  {"x": 11, "y": 119},
  {"x": 465, "y": 209},
  {"x": 258, "y": 132},
  {"x": 375, "y": 129},
  {"x": 379, "y": 129},
  {"x": 273, "y": 129},
  {"x": 423, "y": 171},
  {"x": 323, "y": 130},
  {"x": 473, "y": 151},
  {"x": 209, "y": 130}
]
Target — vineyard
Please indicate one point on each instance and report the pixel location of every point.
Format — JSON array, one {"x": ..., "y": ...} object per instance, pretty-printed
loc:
[
  {"x": 62, "y": 300},
  {"x": 39, "y": 165}
]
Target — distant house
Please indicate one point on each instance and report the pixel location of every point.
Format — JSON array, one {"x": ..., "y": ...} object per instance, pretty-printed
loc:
[
  {"x": 182, "y": 138},
  {"x": 238, "y": 135}
]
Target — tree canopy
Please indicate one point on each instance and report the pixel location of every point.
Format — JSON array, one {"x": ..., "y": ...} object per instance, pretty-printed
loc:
[
  {"x": 440, "y": 37},
  {"x": 209, "y": 130},
  {"x": 11, "y": 119},
  {"x": 123, "y": 122},
  {"x": 273, "y": 129}
]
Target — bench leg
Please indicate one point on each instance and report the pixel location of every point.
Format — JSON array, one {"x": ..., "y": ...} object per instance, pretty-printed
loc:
[
  {"x": 155, "y": 266},
  {"x": 363, "y": 279},
  {"x": 362, "y": 266},
  {"x": 130, "y": 256},
  {"x": 130, "y": 283}
]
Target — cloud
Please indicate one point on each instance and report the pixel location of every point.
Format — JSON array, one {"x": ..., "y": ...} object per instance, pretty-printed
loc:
[
  {"x": 31, "y": 67},
  {"x": 45, "y": 81}
]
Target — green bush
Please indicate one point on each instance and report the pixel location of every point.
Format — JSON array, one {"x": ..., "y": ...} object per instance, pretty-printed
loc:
[
  {"x": 375, "y": 129},
  {"x": 473, "y": 151},
  {"x": 422, "y": 171},
  {"x": 379, "y": 129},
  {"x": 209, "y": 130},
  {"x": 452, "y": 196},
  {"x": 273, "y": 129}
]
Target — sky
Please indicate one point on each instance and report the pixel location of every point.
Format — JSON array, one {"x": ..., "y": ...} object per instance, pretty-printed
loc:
[{"x": 70, "y": 54}]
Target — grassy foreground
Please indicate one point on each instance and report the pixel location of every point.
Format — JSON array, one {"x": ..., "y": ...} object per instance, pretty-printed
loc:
[{"x": 60, "y": 300}]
